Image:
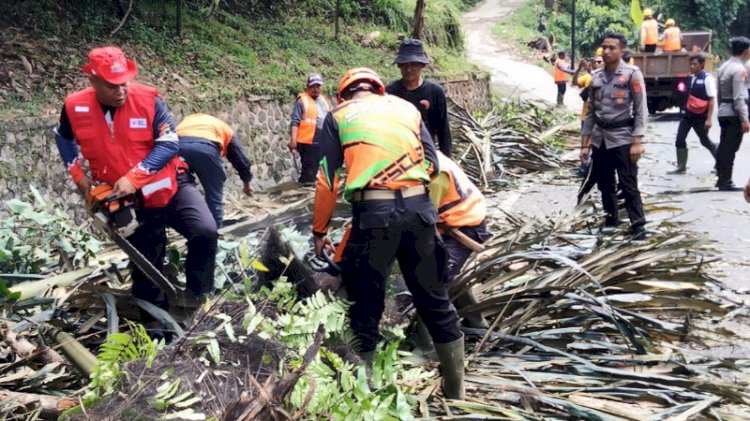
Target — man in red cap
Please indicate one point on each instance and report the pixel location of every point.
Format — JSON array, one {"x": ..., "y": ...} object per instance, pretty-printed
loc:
[{"x": 126, "y": 133}]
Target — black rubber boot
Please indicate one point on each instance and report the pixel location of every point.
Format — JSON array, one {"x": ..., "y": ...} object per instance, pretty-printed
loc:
[
  {"x": 682, "y": 156},
  {"x": 475, "y": 320},
  {"x": 451, "y": 357},
  {"x": 424, "y": 348}
]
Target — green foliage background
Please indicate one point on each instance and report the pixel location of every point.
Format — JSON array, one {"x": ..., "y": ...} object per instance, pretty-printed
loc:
[{"x": 245, "y": 48}]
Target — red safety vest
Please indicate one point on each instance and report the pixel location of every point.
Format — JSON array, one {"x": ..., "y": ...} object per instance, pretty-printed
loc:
[
  {"x": 306, "y": 130},
  {"x": 112, "y": 153},
  {"x": 463, "y": 205}
]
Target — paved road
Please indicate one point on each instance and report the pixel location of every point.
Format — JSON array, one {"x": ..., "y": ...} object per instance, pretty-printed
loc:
[{"x": 723, "y": 217}]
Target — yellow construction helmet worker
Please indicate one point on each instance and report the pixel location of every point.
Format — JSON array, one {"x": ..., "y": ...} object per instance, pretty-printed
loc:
[
  {"x": 599, "y": 51},
  {"x": 647, "y": 12},
  {"x": 360, "y": 75},
  {"x": 669, "y": 22}
]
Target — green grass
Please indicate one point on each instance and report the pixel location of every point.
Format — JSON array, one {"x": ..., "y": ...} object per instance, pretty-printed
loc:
[{"x": 218, "y": 61}]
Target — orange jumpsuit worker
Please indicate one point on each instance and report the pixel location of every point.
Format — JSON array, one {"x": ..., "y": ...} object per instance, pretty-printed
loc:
[{"x": 204, "y": 139}]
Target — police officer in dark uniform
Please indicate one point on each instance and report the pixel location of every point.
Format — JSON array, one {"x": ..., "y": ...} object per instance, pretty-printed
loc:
[
  {"x": 733, "y": 110},
  {"x": 613, "y": 132}
]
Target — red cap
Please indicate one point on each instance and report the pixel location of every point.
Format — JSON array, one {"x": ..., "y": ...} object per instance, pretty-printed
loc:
[{"x": 110, "y": 64}]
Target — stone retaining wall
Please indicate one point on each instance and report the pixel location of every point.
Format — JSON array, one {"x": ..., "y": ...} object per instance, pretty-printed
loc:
[{"x": 28, "y": 155}]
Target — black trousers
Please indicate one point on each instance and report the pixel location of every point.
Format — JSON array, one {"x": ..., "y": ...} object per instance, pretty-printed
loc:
[
  {"x": 650, "y": 48},
  {"x": 607, "y": 162},
  {"x": 310, "y": 159},
  {"x": 729, "y": 144},
  {"x": 457, "y": 253},
  {"x": 697, "y": 123},
  {"x": 404, "y": 230},
  {"x": 561, "y": 88},
  {"x": 204, "y": 159},
  {"x": 188, "y": 214}
]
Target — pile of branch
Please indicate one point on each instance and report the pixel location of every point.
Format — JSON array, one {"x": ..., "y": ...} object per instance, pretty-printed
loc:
[
  {"x": 504, "y": 143},
  {"x": 596, "y": 327}
]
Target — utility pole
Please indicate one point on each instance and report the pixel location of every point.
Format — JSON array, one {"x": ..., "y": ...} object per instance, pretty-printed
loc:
[{"x": 573, "y": 36}]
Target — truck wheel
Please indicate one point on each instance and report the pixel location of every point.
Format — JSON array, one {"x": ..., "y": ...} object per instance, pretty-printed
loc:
[{"x": 651, "y": 105}]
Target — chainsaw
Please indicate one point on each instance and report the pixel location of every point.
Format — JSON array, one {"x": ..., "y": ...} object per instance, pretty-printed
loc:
[{"x": 114, "y": 215}]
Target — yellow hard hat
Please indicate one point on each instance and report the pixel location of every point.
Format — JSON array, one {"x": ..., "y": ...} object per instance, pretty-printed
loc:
[
  {"x": 599, "y": 51},
  {"x": 669, "y": 22},
  {"x": 648, "y": 12}
]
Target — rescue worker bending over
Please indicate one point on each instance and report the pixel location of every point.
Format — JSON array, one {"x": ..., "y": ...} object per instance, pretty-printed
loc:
[
  {"x": 125, "y": 132},
  {"x": 309, "y": 111},
  {"x": 388, "y": 156},
  {"x": 204, "y": 140},
  {"x": 461, "y": 207},
  {"x": 649, "y": 31}
]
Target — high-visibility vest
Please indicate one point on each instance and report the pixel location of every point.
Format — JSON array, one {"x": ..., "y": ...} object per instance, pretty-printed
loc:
[
  {"x": 380, "y": 139},
  {"x": 206, "y": 127},
  {"x": 650, "y": 32},
  {"x": 306, "y": 130},
  {"x": 463, "y": 205},
  {"x": 672, "y": 41},
  {"x": 559, "y": 75},
  {"x": 113, "y": 153}
]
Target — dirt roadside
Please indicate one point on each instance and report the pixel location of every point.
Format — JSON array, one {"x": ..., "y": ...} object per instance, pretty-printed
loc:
[{"x": 510, "y": 74}]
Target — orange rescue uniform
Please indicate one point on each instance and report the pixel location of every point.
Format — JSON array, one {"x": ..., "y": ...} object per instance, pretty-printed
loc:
[
  {"x": 308, "y": 124},
  {"x": 206, "y": 127},
  {"x": 650, "y": 32}
]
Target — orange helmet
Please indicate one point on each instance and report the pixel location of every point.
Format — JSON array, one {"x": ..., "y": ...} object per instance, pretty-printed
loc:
[{"x": 360, "y": 74}]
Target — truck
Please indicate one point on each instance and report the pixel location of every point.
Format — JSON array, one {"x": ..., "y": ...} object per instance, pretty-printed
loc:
[{"x": 666, "y": 74}]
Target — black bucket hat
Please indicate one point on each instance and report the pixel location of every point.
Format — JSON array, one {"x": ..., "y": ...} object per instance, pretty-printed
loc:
[{"x": 411, "y": 51}]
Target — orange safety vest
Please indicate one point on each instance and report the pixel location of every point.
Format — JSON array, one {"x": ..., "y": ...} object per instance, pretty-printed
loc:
[
  {"x": 463, "y": 205},
  {"x": 650, "y": 32},
  {"x": 112, "y": 153},
  {"x": 206, "y": 127},
  {"x": 672, "y": 41},
  {"x": 306, "y": 130},
  {"x": 380, "y": 136},
  {"x": 560, "y": 76}
]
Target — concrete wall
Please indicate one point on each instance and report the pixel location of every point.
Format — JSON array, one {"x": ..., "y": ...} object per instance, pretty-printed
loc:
[{"x": 28, "y": 154}]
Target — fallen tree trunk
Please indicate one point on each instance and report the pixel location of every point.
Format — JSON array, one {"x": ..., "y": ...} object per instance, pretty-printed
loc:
[{"x": 51, "y": 406}]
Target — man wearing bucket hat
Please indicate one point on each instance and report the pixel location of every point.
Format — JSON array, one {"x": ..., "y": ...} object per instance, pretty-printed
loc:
[
  {"x": 310, "y": 110},
  {"x": 126, "y": 133},
  {"x": 426, "y": 95}
]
